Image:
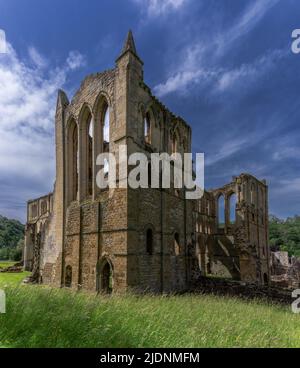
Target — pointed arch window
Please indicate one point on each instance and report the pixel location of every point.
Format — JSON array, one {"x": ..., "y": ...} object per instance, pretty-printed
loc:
[
  {"x": 72, "y": 161},
  {"x": 221, "y": 211},
  {"x": 90, "y": 138},
  {"x": 174, "y": 143},
  {"x": 106, "y": 128},
  {"x": 232, "y": 208},
  {"x": 147, "y": 128},
  {"x": 75, "y": 159}
]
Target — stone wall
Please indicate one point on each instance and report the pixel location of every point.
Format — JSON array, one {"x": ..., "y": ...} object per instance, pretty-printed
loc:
[
  {"x": 238, "y": 248},
  {"x": 141, "y": 239},
  {"x": 244, "y": 290}
]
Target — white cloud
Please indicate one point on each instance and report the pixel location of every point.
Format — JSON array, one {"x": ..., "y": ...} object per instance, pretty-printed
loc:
[
  {"x": 37, "y": 58},
  {"x": 252, "y": 15},
  {"x": 178, "y": 81},
  {"x": 195, "y": 67},
  {"x": 226, "y": 150},
  {"x": 27, "y": 102},
  {"x": 75, "y": 60},
  {"x": 251, "y": 71},
  {"x": 160, "y": 7},
  {"x": 190, "y": 73},
  {"x": 285, "y": 148},
  {"x": 220, "y": 79},
  {"x": 291, "y": 185}
]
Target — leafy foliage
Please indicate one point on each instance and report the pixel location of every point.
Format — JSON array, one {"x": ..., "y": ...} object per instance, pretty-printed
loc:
[
  {"x": 285, "y": 234},
  {"x": 11, "y": 239}
]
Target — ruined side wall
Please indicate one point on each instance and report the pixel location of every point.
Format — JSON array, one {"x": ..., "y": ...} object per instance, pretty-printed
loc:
[
  {"x": 255, "y": 255},
  {"x": 38, "y": 212},
  {"x": 244, "y": 243}
]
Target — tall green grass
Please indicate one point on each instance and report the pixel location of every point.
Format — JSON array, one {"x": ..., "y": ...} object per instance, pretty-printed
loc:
[{"x": 43, "y": 317}]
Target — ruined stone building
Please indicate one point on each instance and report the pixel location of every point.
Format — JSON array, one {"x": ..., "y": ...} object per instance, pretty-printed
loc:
[
  {"x": 285, "y": 270},
  {"x": 80, "y": 236}
]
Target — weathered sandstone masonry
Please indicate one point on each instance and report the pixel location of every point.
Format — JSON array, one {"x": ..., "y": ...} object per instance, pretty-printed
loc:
[{"x": 108, "y": 240}]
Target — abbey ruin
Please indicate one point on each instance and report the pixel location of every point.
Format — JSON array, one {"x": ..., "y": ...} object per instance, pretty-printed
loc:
[{"x": 84, "y": 237}]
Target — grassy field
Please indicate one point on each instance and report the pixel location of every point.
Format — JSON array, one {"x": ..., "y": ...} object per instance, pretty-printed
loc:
[
  {"x": 44, "y": 317},
  {"x": 10, "y": 279}
]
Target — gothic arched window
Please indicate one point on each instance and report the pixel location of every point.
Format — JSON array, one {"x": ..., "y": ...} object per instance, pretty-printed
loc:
[
  {"x": 72, "y": 161},
  {"x": 232, "y": 208},
  {"x": 90, "y": 138},
  {"x": 221, "y": 211},
  {"x": 106, "y": 128},
  {"x": 147, "y": 128}
]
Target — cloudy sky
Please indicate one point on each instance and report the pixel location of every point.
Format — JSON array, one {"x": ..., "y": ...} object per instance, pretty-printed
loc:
[{"x": 225, "y": 66}]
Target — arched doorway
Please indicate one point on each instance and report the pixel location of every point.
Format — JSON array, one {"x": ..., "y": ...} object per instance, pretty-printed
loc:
[{"x": 105, "y": 277}]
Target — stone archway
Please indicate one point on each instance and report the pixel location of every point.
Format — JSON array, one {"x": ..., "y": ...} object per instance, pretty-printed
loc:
[{"x": 105, "y": 277}]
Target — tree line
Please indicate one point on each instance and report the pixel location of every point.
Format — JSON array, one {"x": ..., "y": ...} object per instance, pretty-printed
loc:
[
  {"x": 11, "y": 239},
  {"x": 285, "y": 234}
]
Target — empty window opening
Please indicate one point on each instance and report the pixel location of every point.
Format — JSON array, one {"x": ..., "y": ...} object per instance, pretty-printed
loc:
[
  {"x": 34, "y": 211},
  {"x": 232, "y": 208},
  {"x": 43, "y": 207},
  {"x": 174, "y": 143},
  {"x": 90, "y": 155},
  {"x": 74, "y": 163},
  {"x": 147, "y": 129},
  {"x": 106, "y": 128},
  {"x": 221, "y": 211}
]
